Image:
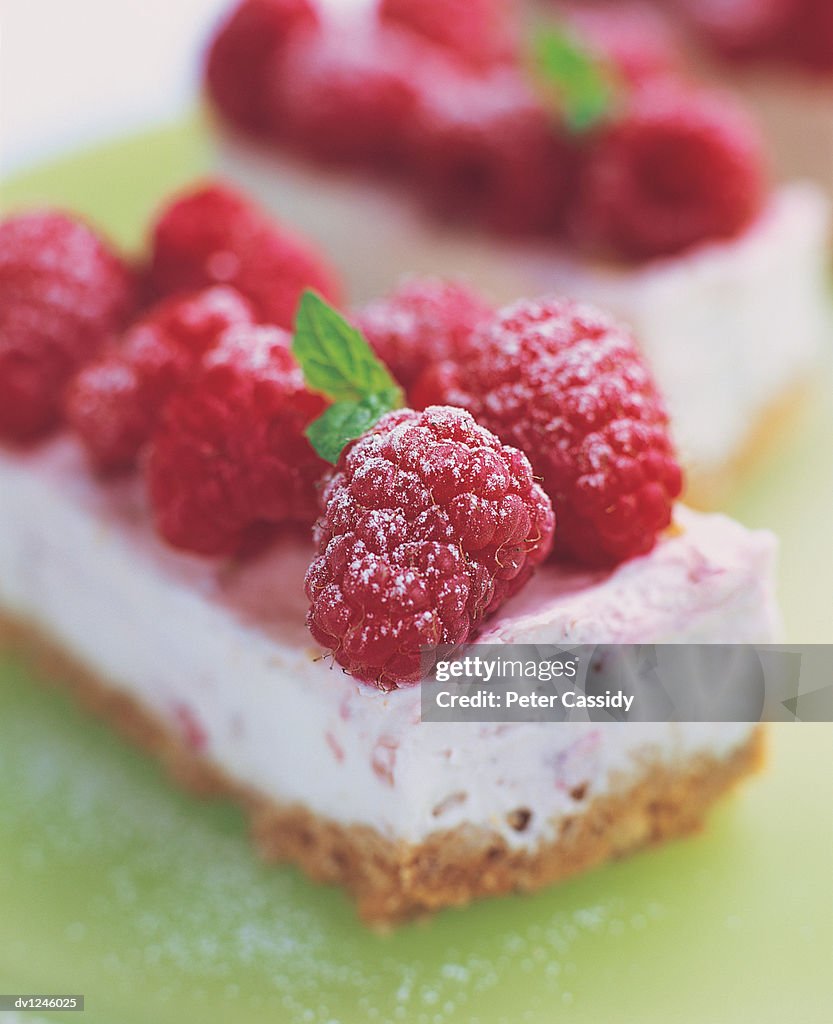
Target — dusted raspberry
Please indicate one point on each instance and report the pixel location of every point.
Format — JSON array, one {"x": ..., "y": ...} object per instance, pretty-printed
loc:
[
  {"x": 634, "y": 37},
  {"x": 349, "y": 99},
  {"x": 230, "y": 459},
  {"x": 429, "y": 525},
  {"x": 63, "y": 295},
  {"x": 424, "y": 321},
  {"x": 212, "y": 235},
  {"x": 116, "y": 401},
  {"x": 480, "y": 33},
  {"x": 487, "y": 153},
  {"x": 677, "y": 169},
  {"x": 569, "y": 388},
  {"x": 247, "y": 51}
]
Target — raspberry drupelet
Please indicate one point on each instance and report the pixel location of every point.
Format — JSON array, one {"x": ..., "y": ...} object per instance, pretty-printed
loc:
[
  {"x": 64, "y": 294},
  {"x": 116, "y": 401},
  {"x": 429, "y": 525},
  {"x": 570, "y": 388},
  {"x": 213, "y": 235},
  {"x": 229, "y": 461}
]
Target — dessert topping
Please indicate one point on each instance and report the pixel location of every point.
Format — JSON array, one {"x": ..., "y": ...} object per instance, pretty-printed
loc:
[
  {"x": 244, "y": 54},
  {"x": 348, "y": 100},
  {"x": 229, "y": 461},
  {"x": 213, "y": 235},
  {"x": 63, "y": 295},
  {"x": 570, "y": 388},
  {"x": 429, "y": 522},
  {"x": 115, "y": 402},
  {"x": 422, "y": 321},
  {"x": 439, "y": 96},
  {"x": 677, "y": 167},
  {"x": 429, "y": 525}
]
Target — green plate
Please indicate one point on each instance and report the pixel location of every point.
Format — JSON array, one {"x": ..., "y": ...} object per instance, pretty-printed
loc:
[{"x": 116, "y": 885}]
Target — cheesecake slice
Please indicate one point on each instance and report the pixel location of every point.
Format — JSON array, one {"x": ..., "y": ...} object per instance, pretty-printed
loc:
[
  {"x": 207, "y": 663},
  {"x": 240, "y": 547}
]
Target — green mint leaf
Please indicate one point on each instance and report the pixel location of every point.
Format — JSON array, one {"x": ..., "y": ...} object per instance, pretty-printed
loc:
[
  {"x": 583, "y": 85},
  {"x": 345, "y": 421},
  {"x": 338, "y": 362},
  {"x": 334, "y": 356}
]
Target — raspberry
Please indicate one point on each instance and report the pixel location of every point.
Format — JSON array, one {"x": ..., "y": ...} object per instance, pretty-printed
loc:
[
  {"x": 424, "y": 321},
  {"x": 569, "y": 387},
  {"x": 229, "y": 460},
  {"x": 244, "y": 54},
  {"x": 214, "y": 236},
  {"x": 429, "y": 525},
  {"x": 677, "y": 169},
  {"x": 489, "y": 155},
  {"x": 116, "y": 401},
  {"x": 63, "y": 294},
  {"x": 479, "y": 33},
  {"x": 349, "y": 99}
]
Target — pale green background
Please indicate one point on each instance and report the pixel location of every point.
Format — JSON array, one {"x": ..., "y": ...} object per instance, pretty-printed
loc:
[{"x": 114, "y": 884}]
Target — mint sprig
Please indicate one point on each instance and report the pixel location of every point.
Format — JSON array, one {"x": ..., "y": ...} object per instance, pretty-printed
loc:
[
  {"x": 582, "y": 84},
  {"x": 338, "y": 362},
  {"x": 335, "y": 358}
]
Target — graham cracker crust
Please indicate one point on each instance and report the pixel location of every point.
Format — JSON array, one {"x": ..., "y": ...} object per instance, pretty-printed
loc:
[{"x": 393, "y": 881}]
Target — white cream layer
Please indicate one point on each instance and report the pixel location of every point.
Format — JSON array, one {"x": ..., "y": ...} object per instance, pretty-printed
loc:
[
  {"x": 729, "y": 328},
  {"x": 220, "y": 652}
]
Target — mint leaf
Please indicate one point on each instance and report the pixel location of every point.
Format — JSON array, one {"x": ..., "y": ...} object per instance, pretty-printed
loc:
[
  {"x": 338, "y": 362},
  {"x": 584, "y": 86},
  {"x": 334, "y": 356},
  {"x": 345, "y": 421}
]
